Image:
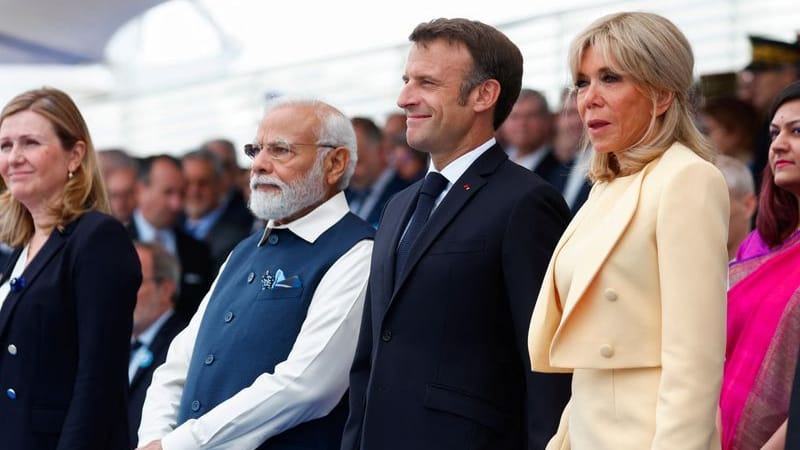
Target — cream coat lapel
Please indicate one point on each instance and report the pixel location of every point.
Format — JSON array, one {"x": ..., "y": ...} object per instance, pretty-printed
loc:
[{"x": 609, "y": 230}]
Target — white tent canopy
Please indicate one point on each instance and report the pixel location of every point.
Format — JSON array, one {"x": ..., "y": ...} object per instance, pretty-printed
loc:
[{"x": 187, "y": 70}]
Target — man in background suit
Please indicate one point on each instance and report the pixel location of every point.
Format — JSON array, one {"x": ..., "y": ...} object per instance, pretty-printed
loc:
[
  {"x": 529, "y": 131},
  {"x": 207, "y": 219},
  {"x": 374, "y": 182},
  {"x": 233, "y": 199},
  {"x": 154, "y": 325},
  {"x": 442, "y": 358},
  {"x": 159, "y": 195}
]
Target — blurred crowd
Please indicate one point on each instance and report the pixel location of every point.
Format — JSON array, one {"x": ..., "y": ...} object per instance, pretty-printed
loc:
[{"x": 187, "y": 213}]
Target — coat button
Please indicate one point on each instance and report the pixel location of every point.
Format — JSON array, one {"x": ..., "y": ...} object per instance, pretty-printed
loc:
[
  {"x": 386, "y": 336},
  {"x": 209, "y": 359},
  {"x": 12, "y": 349},
  {"x": 606, "y": 351},
  {"x": 12, "y": 394},
  {"x": 610, "y": 295},
  {"x": 250, "y": 277},
  {"x": 195, "y": 405},
  {"x": 273, "y": 239},
  {"x": 228, "y": 316}
]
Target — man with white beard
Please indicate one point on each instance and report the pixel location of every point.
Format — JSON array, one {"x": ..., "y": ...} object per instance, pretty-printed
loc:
[{"x": 264, "y": 362}]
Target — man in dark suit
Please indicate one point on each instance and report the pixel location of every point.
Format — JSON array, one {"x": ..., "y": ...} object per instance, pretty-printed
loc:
[
  {"x": 374, "y": 182},
  {"x": 529, "y": 130},
  {"x": 154, "y": 325},
  {"x": 233, "y": 200},
  {"x": 159, "y": 194},
  {"x": 207, "y": 218},
  {"x": 442, "y": 358}
]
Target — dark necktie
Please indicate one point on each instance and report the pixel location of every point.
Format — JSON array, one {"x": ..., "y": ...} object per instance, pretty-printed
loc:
[
  {"x": 135, "y": 345},
  {"x": 433, "y": 185}
]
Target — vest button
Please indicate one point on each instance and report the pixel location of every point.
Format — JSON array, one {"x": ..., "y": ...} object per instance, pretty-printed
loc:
[
  {"x": 12, "y": 349},
  {"x": 209, "y": 359},
  {"x": 12, "y": 394},
  {"x": 386, "y": 336},
  {"x": 250, "y": 277},
  {"x": 228, "y": 316},
  {"x": 195, "y": 406},
  {"x": 273, "y": 239}
]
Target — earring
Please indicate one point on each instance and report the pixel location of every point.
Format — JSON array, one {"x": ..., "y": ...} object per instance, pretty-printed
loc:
[{"x": 70, "y": 174}]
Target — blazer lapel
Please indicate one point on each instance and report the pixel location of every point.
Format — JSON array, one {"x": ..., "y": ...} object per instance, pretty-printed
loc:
[
  {"x": 612, "y": 227},
  {"x": 395, "y": 228},
  {"x": 51, "y": 247},
  {"x": 460, "y": 193}
]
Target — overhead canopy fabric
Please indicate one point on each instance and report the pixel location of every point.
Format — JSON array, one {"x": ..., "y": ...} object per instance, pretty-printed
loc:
[{"x": 62, "y": 32}]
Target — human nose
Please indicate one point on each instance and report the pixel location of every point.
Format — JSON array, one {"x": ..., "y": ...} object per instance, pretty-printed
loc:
[
  {"x": 780, "y": 144},
  {"x": 262, "y": 163},
  {"x": 591, "y": 96},
  {"x": 404, "y": 99}
]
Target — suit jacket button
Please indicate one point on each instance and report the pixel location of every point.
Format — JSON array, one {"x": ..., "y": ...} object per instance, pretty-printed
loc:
[
  {"x": 610, "y": 295},
  {"x": 386, "y": 336},
  {"x": 12, "y": 394},
  {"x": 12, "y": 349},
  {"x": 273, "y": 239},
  {"x": 209, "y": 359},
  {"x": 228, "y": 316},
  {"x": 195, "y": 406},
  {"x": 250, "y": 277},
  {"x": 606, "y": 351}
]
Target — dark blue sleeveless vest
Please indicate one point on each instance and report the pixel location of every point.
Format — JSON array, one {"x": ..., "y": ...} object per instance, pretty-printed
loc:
[{"x": 253, "y": 318}]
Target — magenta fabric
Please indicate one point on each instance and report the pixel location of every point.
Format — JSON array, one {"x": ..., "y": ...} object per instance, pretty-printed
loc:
[{"x": 762, "y": 285}]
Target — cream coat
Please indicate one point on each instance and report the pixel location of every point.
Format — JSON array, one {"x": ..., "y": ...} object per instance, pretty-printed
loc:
[{"x": 643, "y": 326}]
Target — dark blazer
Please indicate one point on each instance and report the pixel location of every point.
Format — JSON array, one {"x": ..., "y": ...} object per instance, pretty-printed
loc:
[
  {"x": 65, "y": 338},
  {"x": 395, "y": 185},
  {"x": 442, "y": 358},
  {"x": 551, "y": 169},
  {"x": 143, "y": 376},
  {"x": 196, "y": 270},
  {"x": 226, "y": 232}
]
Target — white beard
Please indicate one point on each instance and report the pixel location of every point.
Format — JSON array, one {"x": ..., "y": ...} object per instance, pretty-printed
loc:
[{"x": 291, "y": 199}]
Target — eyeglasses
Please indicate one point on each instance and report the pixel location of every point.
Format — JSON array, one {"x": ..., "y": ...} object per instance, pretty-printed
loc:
[{"x": 280, "y": 152}]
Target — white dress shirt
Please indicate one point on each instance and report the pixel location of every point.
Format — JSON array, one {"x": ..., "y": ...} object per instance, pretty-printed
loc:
[
  {"x": 457, "y": 167},
  {"x": 142, "y": 356},
  {"x": 306, "y": 386}
]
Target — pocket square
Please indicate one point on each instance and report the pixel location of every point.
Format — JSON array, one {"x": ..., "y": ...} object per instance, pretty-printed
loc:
[{"x": 292, "y": 282}]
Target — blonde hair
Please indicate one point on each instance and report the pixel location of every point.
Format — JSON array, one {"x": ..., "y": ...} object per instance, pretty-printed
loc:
[
  {"x": 657, "y": 56},
  {"x": 83, "y": 192}
]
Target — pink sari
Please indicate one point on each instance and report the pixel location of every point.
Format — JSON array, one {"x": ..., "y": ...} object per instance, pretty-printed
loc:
[{"x": 762, "y": 347}]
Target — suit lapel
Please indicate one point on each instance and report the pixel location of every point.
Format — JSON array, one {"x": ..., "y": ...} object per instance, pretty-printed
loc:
[
  {"x": 395, "y": 227},
  {"x": 611, "y": 226},
  {"x": 473, "y": 179},
  {"x": 50, "y": 248}
]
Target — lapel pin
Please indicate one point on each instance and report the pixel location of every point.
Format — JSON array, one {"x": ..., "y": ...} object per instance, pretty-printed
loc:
[{"x": 466, "y": 187}]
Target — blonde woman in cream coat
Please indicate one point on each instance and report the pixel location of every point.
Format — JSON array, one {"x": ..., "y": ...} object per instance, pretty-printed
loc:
[{"x": 633, "y": 303}]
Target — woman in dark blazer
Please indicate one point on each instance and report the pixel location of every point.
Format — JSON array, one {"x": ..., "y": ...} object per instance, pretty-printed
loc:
[{"x": 68, "y": 292}]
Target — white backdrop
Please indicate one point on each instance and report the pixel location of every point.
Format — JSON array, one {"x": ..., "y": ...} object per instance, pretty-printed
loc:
[{"x": 189, "y": 70}]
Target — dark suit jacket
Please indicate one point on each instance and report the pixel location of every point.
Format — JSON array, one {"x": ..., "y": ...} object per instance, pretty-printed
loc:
[
  {"x": 196, "y": 270},
  {"x": 143, "y": 376},
  {"x": 442, "y": 359},
  {"x": 395, "y": 185},
  {"x": 65, "y": 338},
  {"x": 551, "y": 170}
]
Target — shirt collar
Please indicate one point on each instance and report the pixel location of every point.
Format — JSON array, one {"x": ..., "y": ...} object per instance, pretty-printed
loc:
[
  {"x": 316, "y": 222},
  {"x": 146, "y": 337},
  {"x": 456, "y": 168}
]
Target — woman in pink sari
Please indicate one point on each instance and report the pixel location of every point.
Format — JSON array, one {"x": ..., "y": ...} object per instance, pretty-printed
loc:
[{"x": 763, "y": 313}]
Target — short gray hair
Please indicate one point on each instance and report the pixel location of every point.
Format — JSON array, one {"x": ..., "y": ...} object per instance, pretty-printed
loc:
[
  {"x": 336, "y": 130},
  {"x": 165, "y": 265},
  {"x": 737, "y": 175}
]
